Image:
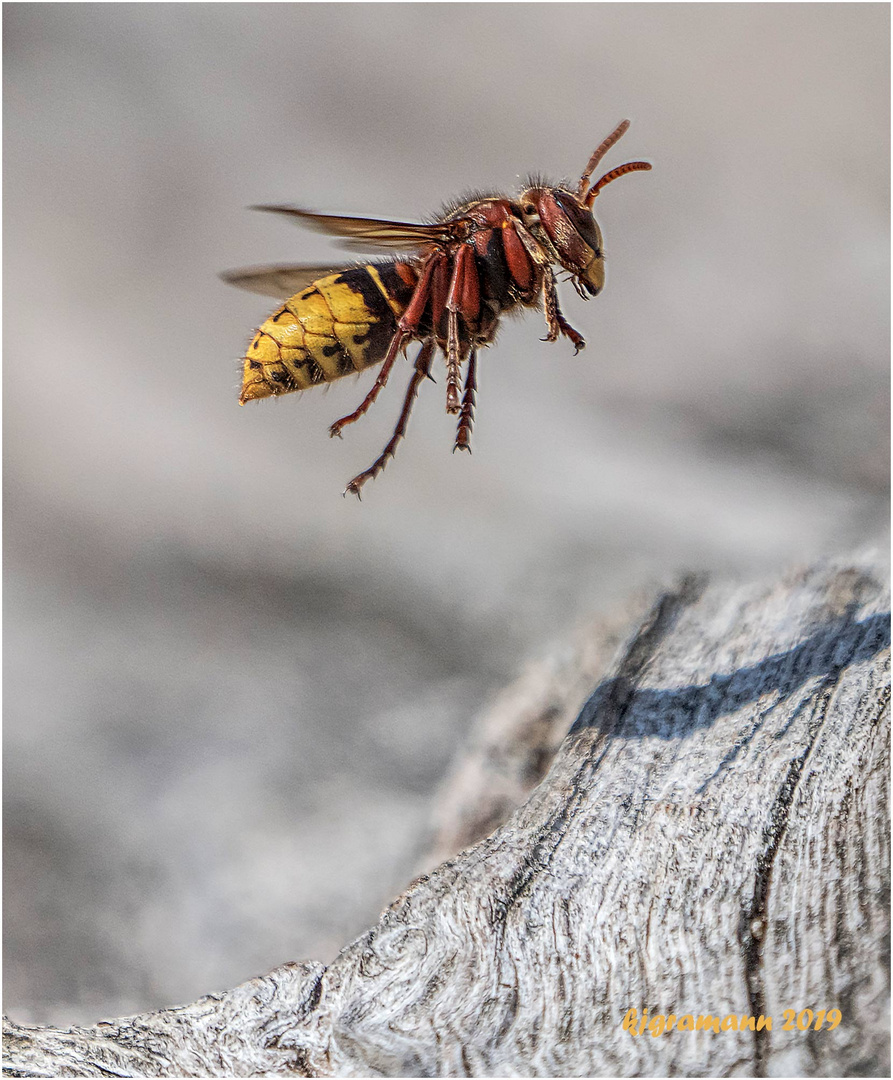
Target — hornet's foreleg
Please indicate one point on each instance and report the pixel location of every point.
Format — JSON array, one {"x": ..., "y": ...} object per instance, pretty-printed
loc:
[
  {"x": 420, "y": 373},
  {"x": 555, "y": 321},
  {"x": 406, "y": 328}
]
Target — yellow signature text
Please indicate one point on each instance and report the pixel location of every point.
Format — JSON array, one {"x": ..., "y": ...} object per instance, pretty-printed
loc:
[{"x": 663, "y": 1023}]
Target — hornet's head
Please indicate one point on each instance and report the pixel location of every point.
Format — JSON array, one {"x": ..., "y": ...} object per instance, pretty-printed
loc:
[{"x": 562, "y": 221}]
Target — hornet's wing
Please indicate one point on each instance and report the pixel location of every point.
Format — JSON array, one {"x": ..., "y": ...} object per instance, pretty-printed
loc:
[
  {"x": 279, "y": 281},
  {"x": 375, "y": 233}
]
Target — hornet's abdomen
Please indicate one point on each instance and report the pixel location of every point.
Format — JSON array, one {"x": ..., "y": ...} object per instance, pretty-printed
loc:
[{"x": 337, "y": 326}]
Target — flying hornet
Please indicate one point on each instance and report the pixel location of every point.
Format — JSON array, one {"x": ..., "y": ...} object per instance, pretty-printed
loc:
[{"x": 456, "y": 278}]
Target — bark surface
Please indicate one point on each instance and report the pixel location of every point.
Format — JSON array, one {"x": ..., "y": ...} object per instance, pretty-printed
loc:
[{"x": 710, "y": 837}]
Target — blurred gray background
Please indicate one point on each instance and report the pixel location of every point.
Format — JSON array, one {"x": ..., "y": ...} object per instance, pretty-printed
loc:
[{"x": 230, "y": 693}]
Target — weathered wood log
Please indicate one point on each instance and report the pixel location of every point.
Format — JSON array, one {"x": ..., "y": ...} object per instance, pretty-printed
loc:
[{"x": 711, "y": 839}]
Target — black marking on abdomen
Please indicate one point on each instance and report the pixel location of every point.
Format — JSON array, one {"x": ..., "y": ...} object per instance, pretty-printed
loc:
[
  {"x": 375, "y": 343},
  {"x": 382, "y": 321},
  {"x": 283, "y": 379},
  {"x": 359, "y": 280},
  {"x": 397, "y": 289},
  {"x": 346, "y": 365}
]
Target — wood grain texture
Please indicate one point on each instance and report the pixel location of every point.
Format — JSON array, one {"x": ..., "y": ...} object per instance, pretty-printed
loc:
[
  {"x": 512, "y": 745},
  {"x": 711, "y": 837}
]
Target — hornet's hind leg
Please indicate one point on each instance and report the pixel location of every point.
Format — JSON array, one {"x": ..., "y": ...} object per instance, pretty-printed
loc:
[
  {"x": 393, "y": 349},
  {"x": 422, "y": 367}
]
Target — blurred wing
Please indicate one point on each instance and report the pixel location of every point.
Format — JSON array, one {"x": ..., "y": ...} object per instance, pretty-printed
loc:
[
  {"x": 280, "y": 282},
  {"x": 373, "y": 233}
]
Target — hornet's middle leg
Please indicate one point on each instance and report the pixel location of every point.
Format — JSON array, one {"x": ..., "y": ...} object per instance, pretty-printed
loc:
[
  {"x": 464, "y": 299},
  {"x": 466, "y": 414}
]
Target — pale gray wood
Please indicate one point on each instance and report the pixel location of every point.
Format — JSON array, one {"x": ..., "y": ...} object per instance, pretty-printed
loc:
[
  {"x": 513, "y": 744},
  {"x": 711, "y": 837}
]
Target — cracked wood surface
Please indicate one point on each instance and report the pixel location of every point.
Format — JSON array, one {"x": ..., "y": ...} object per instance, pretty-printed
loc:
[{"x": 711, "y": 837}]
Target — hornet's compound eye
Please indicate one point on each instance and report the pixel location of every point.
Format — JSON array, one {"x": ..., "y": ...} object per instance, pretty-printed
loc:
[{"x": 580, "y": 217}]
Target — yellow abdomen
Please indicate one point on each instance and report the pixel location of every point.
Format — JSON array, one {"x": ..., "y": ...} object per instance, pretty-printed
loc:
[{"x": 337, "y": 326}]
